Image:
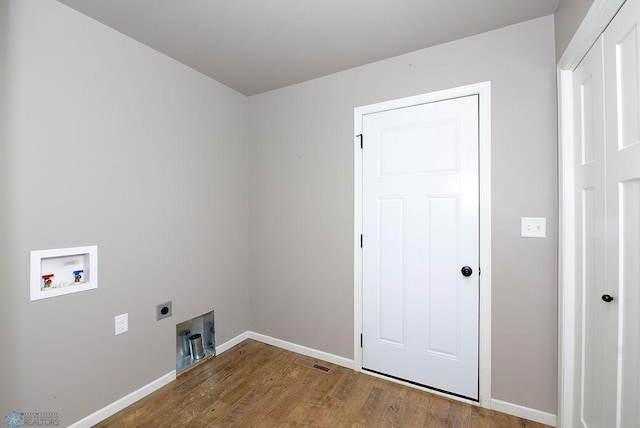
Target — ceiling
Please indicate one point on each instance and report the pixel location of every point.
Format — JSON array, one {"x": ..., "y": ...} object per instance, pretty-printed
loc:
[{"x": 255, "y": 46}]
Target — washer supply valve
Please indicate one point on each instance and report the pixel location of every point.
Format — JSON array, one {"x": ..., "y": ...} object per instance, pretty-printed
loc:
[
  {"x": 77, "y": 274},
  {"x": 47, "y": 280}
]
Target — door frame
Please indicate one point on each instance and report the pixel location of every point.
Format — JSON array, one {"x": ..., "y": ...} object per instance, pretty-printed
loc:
[
  {"x": 483, "y": 90},
  {"x": 594, "y": 23}
]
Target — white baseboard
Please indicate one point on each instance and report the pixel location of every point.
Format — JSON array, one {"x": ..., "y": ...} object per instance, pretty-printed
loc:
[
  {"x": 232, "y": 342},
  {"x": 125, "y": 401},
  {"x": 299, "y": 349},
  {"x": 523, "y": 412}
]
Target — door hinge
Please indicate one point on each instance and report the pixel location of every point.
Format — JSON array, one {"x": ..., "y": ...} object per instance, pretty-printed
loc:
[
  {"x": 479, "y": 271},
  {"x": 361, "y": 340},
  {"x": 361, "y": 241},
  {"x": 361, "y": 138}
]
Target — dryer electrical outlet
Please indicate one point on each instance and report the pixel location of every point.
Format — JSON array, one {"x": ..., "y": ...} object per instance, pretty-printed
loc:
[{"x": 163, "y": 310}]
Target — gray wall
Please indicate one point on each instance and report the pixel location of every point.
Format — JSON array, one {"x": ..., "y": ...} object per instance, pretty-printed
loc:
[
  {"x": 301, "y": 193},
  {"x": 155, "y": 154},
  {"x": 568, "y": 17}
]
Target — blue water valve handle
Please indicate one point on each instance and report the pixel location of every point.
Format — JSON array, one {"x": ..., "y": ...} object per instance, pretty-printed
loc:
[{"x": 77, "y": 272}]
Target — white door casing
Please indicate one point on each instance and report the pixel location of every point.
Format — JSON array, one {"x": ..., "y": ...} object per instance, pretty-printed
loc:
[{"x": 483, "y": 91}]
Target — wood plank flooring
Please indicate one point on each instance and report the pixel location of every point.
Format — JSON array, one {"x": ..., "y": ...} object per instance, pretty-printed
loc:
[{"x": 258, "y": 385}]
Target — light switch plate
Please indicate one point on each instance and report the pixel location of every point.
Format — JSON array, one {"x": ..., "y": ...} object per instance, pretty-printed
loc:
[
  {"x": 533, "y": 227},
  {"x": 122, "y": 323}
]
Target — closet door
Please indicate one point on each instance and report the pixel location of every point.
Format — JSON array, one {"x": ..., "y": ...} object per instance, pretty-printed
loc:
[
  {"x": 595, "y": 366},
  {"x": 622, "y": 118}
]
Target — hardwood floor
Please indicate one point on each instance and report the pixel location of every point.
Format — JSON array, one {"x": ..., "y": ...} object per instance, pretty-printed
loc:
[{"x": 258, "y": 385}]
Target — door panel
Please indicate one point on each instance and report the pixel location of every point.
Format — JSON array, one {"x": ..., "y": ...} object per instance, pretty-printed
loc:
[
  {"x": 594, "y": 391},
  {"x": 629, "y": 298},
  {"x": 420, "y": 149},
  {"x": 442, "y": 269},
  {"x": 622, "y": 118},
  {"x": 391, "y": 270},
  {"x": 421, "y": 225}
]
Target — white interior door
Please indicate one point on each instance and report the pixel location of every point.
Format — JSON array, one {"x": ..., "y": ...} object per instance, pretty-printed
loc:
[
  {"x": 421, "y": 227},
  {"x": 622, "y": 118},
  {"x": 595, "y": 319},
  {"x": 607, "y": 174}
]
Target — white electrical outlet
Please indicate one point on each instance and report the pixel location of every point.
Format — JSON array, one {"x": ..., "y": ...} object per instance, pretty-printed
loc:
[
  {"x": 533, "y": 227},
  {"x": 122, "y": 323}
]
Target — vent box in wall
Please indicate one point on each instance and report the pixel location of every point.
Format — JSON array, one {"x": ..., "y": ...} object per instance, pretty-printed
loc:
[
  {"x": 63, "y": 271},
  {"x": 203, "y": 326}
]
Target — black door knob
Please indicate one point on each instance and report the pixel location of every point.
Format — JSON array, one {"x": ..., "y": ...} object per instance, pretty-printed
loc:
[
  {"x": 466, "y": 271},
  {"x": 607, "y": 298}
]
